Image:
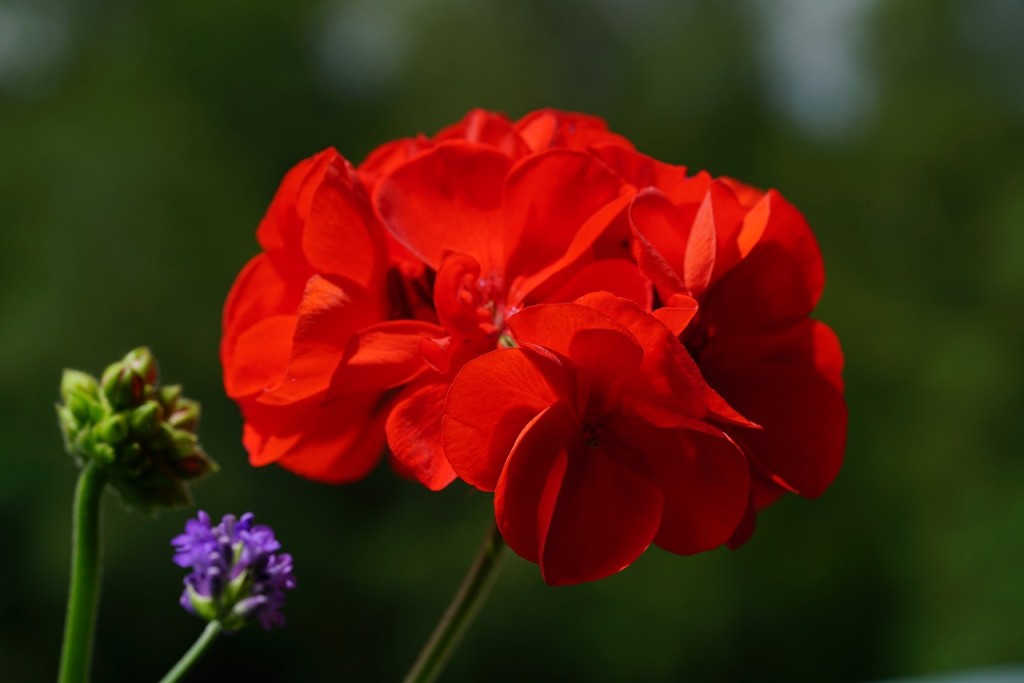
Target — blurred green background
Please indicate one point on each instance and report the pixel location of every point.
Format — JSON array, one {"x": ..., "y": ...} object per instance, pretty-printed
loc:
[{"x": 140, "y": 143}]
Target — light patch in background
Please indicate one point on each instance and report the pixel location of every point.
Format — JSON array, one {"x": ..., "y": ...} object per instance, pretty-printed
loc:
[
  {"x": 362, "y": 47},
  {"x": 994, "y": 29},
  {"x": 1010, "y": 674},
  {"x": 812, "y": 56},
  {"x": 34, "y": 46}
]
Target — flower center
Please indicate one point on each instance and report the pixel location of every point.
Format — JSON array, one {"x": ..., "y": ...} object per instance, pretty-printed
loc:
[
  {"x": 697, "y": 337},
  {"x": 485, "y": 295},
  {"x": 594, "y": 429}
]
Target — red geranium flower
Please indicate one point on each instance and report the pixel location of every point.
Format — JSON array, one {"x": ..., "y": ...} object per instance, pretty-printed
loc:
[
  {"x": 289, "y": 316},
  {"x": 750, "y": 260},
  {"x": 597, "y": 441},
  {"x": 669, "y": 381},
  {"x": 338, "y": 314},
  {"x": 537, "y": 131},
  {"x": 495, "y": 235}
]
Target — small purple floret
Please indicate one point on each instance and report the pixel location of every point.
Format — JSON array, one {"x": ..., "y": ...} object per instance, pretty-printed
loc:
[{"x": 237, "y": 574}]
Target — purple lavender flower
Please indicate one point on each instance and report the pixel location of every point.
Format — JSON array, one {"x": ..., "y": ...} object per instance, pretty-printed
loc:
[{"x": 237, "y": 574}]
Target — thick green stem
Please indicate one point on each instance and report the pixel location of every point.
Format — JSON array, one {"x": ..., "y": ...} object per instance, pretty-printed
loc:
[
  {"x": 460, "y": 612},
  {"x": 187, "y": 660},
  {"x": 83, "y": 590}
]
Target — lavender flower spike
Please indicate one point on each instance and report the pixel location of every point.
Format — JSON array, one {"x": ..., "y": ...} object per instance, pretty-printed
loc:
[{"x": 237, "y": 576}]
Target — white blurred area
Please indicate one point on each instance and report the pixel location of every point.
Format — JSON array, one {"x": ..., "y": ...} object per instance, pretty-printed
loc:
[
  {"x": 988, "y": 675},
  {"x": 361, "y": 46},
  {"x": 810, "y": 53},
  {"x": 34, "y": 45},
  {"x": 814, "y": 66}
]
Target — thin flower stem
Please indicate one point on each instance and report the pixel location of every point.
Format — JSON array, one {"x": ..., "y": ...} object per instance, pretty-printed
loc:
[
  {"x": 210, "y": 633},
  {"x": 83, "y": 590},
  {"x": 460, "y": 612}
]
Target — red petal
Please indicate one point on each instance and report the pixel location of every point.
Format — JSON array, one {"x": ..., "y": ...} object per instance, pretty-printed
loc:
[
  {"x": 547, "y": 128},
  {"x": 675, "y": 250},
  {"x": 583, "y": 246},
  {"x": 779, "y": 278},
  {"x": 259, "y": 359},
  {"x": 548, "y": 198},
  {"x": 704, "y": 478},
  {"x": 659, "y": 248},
  {"x": 457, "y": 295},
  {"x": 723, "y": 216},
  {"x": 334, "y": 442},
  {"x": 592, "y": 340},
  {"x": 746, "y": 195},
  {"x": 605, "y": 516},
  {"x": 327, "y": 317},
  {"x": 492, "y": 398},
  {"x": 616, "y": 276},
  {"x": 383, "y": 356},
  {"x": 745, "y": 530},
  {"x": 528, "y": 486},
  {"x": 763, "y": 292},
  {"x": 807, "y": 343},
  {"x": 668, "y": 374},
  {"x": 390, "y": 156},
  {"x": 763, "y": 491},
  {"x": 701, "y": 241},
  {"x": 489, "y": 128},
  {"x": 251, "y": 362},
  {"x": 339, "y": 238},
  {"x": 414, "y": 435},
  {"x": 280, "y": 231},
  {"x": 804, "y": 423},
  {"x": 678, "y": 314},
  {"x": 447, "y": 200},
  {"x": 783, "y": 224},
  {"x": 258, "y": 292},
  {"x": 643, "y": 171}
]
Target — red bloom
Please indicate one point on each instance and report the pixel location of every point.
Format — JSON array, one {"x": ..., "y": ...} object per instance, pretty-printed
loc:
[
  {"x": 535, "y": 132},
  {"x": 668, "y": 381},
  {"x": 497, "y": 233},
  {"x": 600, "y": 443},
  {"x": 750, "y": 260},
  {"x": 288, "y": 319}
]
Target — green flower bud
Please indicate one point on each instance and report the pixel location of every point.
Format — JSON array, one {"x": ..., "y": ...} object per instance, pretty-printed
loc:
[
  {"x": 122, "y": 386},
  {"x": 103, "y": 453},
  {"x": 146, "y": 419},
  {"x": 185, "y": 415},
  {"x": 161, "y": 439},
  {"x": 84, "y": 408},
  {"x": 76, "y": 382},
  {"x": 68, "y": 423},
  {"x": 142, "y": 362},
  {"x": 112, "y": 429},
  {"x": 185, "y": 443},
  {"x": 169, "y": 396},
  {"x": 142, "y": 434}
]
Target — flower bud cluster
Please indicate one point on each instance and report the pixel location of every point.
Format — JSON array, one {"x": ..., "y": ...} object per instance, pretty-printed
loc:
[{"x": 142, "y": 434}]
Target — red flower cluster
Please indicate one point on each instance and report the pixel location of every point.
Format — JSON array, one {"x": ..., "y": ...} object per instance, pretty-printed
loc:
[{"x": 621, "y": 352}]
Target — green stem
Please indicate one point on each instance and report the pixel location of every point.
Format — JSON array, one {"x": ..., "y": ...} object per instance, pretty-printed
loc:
[
  {"x": 83, "y": 590},
  {"x": 187, "y": 660},
  {"x": 460, "y": 612}
]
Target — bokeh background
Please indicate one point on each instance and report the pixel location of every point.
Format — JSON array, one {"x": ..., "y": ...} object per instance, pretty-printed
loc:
[{"x": 140, "y": 143}]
